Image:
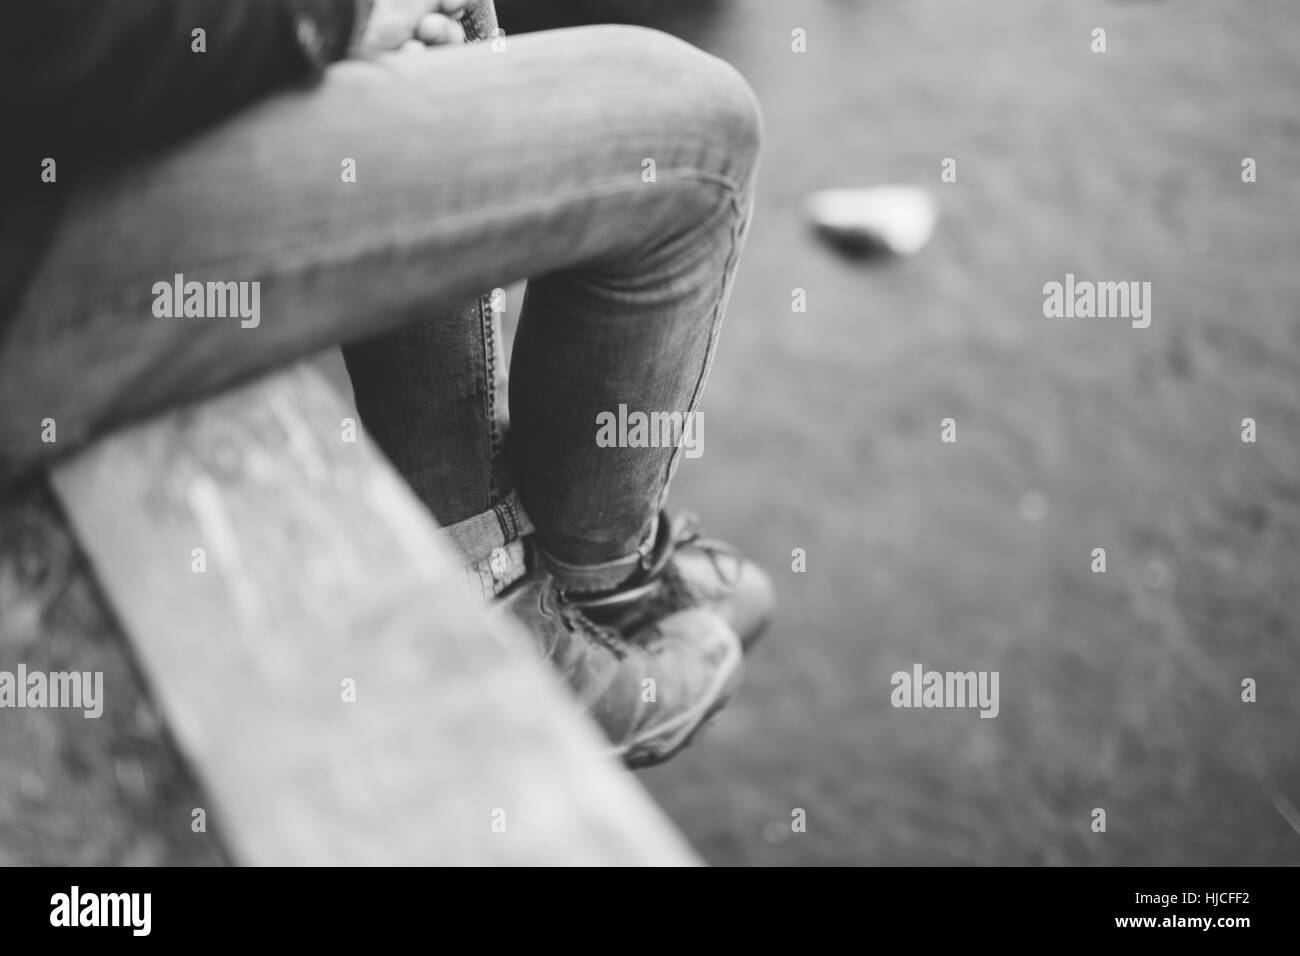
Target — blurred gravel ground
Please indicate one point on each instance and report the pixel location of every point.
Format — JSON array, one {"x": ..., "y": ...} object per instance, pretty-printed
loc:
[{"x": 77, "y": 791}]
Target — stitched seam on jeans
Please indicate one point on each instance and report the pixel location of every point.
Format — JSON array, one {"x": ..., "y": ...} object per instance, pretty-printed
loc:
[
  {"x": 515, "y": 524},
  {"x": 507, "y": 526},
  {"x": 487, "y": 328},
  {"x": 313, "y": 256},
  {"x": 715, "y": 324}
]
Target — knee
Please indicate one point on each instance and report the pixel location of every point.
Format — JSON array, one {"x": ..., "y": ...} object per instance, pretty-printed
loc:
[{"x": 701, "y": 101}]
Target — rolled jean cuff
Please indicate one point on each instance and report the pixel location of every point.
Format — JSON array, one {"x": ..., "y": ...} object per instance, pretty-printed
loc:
[
  {"x": 490, "y": 576},
  {"x": 490, "y": 548},
  {"x": 592, "y": 578}
]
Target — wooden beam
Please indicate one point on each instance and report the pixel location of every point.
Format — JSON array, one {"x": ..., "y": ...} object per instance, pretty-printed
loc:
[{"x": 322, "y": 568}]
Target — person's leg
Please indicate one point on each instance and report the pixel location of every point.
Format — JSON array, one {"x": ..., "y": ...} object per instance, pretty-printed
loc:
[
  {"x": 644, "y": 338},
  {"x": 433, "y": 397},
  {"x": 428, "y": 395},
  {"x": 473, "y": 168},
  {"x": 432, "y": 394}
]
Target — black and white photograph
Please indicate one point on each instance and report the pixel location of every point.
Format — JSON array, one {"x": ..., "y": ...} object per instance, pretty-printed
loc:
[{"x": 623, "y": 433}]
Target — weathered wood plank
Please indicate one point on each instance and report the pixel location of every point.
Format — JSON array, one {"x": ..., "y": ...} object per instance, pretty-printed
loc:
[{"x": 321, "y": 568}]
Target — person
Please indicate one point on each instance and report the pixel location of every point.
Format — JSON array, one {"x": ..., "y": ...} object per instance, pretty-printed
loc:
[{"x": 360, "y": 188}]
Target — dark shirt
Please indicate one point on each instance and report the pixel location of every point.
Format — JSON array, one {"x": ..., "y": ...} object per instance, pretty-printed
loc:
[{"x": 89, "y": 83}]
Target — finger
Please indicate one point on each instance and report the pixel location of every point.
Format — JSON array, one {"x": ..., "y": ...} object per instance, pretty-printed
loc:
[
  {"x": 453, "y": 8},
  {"x": 413, "y": 45},
  {"x": 435, "y": 29}
]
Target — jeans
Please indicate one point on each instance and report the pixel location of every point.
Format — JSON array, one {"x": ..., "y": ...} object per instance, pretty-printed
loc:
[{"x": 612, "y": 167}]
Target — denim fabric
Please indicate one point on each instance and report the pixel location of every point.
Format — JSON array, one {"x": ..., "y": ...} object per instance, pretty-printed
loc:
[{"x": 476, "y": 167}]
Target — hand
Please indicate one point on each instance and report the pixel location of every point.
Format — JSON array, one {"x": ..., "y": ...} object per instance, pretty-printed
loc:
[
  {"x": 443, "y": 28},
  {"x": 398, "y": 24}
]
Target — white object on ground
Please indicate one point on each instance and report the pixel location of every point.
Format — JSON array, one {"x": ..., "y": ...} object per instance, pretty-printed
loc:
[{"x": 897, "y": 218}]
